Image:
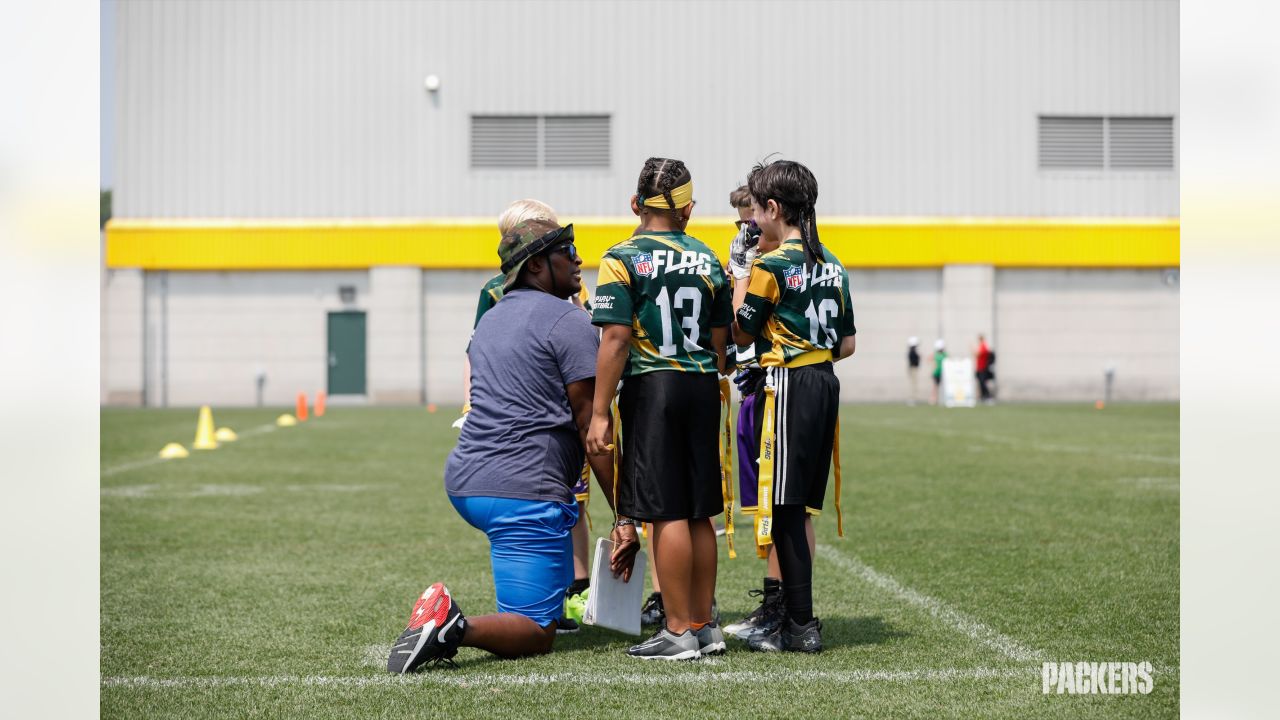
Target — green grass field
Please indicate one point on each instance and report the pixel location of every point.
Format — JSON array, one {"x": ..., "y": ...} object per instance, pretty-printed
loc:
[{"x": 269, "y": 577}]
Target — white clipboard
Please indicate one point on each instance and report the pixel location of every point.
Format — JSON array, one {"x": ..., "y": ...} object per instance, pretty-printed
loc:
[{"x": 612, "y": 603}]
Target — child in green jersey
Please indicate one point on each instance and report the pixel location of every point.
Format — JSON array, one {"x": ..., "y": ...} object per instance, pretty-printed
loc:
[
  {"x": 664, "y": 304},
  {"x": 797, "y": 301},
  {"x": 939, "y": 358}
]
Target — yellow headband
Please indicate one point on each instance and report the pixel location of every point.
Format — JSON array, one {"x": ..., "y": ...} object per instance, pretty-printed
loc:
[{"x": 681, "y": 196}]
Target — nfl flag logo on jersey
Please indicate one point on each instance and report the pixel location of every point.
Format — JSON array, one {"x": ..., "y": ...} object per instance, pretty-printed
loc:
[
  {"x": 643, "y": 263},
  {"x": 794, "y": 276}
]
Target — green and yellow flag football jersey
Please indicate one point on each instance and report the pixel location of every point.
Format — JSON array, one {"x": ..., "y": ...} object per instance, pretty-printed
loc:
[
  {"x": 803, "y": 314},
  {"x": 671, "y": 289},
  {"x": 491, "y": 293}
]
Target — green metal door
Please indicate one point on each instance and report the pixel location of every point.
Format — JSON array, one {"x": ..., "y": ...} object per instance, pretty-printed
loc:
[{"x": 346, "y": 353}]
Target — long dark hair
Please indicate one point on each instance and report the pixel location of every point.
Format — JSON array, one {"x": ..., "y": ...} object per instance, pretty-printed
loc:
[
  {"x": 659, "y": 177},
  {"x": 795, "y": 189}
]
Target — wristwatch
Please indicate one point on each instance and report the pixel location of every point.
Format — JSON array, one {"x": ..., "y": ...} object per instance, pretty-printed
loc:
[{"x": 624, "y": 521}]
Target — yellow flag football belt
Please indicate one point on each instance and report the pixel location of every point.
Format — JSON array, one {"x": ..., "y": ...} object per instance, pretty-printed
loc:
[
  {"x": 726, "y": 467},
  {"x": 764, "y": 486},
  {"x": 585, "y": 498},
  {"x": 617, "y": 448}
]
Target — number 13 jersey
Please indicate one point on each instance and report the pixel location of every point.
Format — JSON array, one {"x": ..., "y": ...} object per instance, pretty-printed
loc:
[
  {"x": 671, "y": 289},
  {"x": 803, "y": 315}
]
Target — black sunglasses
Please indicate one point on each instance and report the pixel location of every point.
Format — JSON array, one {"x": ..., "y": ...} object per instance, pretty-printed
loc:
[
  {"x": 740, "y": 223},
  {"x": 568, "y": 249}
]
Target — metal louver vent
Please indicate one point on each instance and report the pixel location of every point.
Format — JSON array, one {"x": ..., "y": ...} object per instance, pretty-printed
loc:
[
  {"x": 1140, "y": 143},
  {"x": 504, "y": 141},
  {"x": 1073, "y": 143},
  {"x": 576, "y": 141}
]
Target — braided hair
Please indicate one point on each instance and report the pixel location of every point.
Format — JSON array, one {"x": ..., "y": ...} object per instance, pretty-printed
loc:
[
  {"x": 795, "y": 189},
  {"x": 660, "y": 176}
]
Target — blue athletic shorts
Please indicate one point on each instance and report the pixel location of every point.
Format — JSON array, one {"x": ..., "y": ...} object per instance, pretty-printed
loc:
[{"x": 530, "y": 549}]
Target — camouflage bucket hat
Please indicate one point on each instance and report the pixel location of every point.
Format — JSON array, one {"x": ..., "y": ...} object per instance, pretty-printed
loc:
[{"x": 525, "y": 240}]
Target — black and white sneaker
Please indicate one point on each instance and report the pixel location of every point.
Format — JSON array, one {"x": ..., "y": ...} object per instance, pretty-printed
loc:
[
  {"x": 666, "y": 645},
  {"x": 764, "y": 619},
  {"x": 790, "y": 637},
  {"x": 652, "y": 612},
  {"x": 435, "y": 631},
  {"x": 566, "y": 626},
  {"x": 710, "y": 640}
]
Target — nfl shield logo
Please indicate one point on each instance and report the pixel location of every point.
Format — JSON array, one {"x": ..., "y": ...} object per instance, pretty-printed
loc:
[
  {"x": 643, "y": 263},
  {"x": 794, "y": 276}
]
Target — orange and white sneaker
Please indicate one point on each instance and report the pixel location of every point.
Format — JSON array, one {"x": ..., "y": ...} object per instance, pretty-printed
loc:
[{"x": 435, "y": 631}]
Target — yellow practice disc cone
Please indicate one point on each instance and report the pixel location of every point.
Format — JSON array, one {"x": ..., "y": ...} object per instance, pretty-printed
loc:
[
  {"x": 225, "y": 435},
  {"x": 173, "y": 450},
  {"x": 286, "y": 420},
  {"x": 204, "y": 431}
]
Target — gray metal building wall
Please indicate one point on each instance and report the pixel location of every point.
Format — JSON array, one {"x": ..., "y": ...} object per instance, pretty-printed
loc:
[{"x": 317, "y": 109}]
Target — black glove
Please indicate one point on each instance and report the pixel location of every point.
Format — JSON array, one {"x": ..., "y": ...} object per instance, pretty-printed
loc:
[{"x": 749, "y": 380}]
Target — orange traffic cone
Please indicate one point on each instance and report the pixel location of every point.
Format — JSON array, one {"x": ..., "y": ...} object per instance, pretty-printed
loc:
[
  {"x": 320, "y": 404},
  {"x": 302, "y": 407}
]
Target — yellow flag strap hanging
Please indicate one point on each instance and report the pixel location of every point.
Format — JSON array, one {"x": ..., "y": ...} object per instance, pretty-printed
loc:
[
  {"x": 835, "y": 460},
  {"x": 764, "y": 489},
  {"x": 585, "y": 498},
  {"x": 617, "y": 450},
  {"x": 726, "y": 467}
]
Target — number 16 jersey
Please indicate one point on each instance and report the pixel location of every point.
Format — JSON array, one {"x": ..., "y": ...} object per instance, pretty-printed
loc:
[
  {"x": 671, "y": 289},
  {"x": 802, "y": 314}
]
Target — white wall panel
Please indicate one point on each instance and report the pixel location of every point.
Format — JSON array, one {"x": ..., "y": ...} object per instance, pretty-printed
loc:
[
  {"x": 1058, "y": 330},
  {"x": 450, "y": 300},
  {"x": 122, "y": 337},
  {"x": 223, "y": 327}
]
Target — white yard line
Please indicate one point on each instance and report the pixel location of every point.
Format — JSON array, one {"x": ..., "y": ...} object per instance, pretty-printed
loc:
[
  {"x": 126, "y": 467},
  {"x": 132, "y": 466},
  {"x": 463, "y": 679},
  {"x": 955, "y": 619}
]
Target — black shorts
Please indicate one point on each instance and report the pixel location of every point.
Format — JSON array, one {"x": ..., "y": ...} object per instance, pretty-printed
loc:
[
  {"x": 670, "y": 468},
  {"x": 806, "y": 404}
]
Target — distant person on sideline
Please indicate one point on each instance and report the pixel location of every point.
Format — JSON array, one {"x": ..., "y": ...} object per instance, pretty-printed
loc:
[
  {"x": 939, "y": 357},
  {"x": 533, "y": 361},
  {"x": 982, "y": 369},
  {"x": 913, "y": 369}
]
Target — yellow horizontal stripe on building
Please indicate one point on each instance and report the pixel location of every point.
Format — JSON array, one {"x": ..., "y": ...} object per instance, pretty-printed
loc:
[{"x": 471, "y": 243}]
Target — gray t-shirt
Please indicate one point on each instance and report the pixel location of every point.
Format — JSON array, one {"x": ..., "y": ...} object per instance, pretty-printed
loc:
[{"x": 519, "y": 440}]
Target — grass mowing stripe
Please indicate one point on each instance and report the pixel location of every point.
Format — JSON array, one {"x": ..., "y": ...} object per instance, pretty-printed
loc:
[
  {"x": 259, "y": 430},
  {"x": 1004, "y": 644},
  {"x": 448, "y": 678},
  {"x": 1020, "y": 443}
]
